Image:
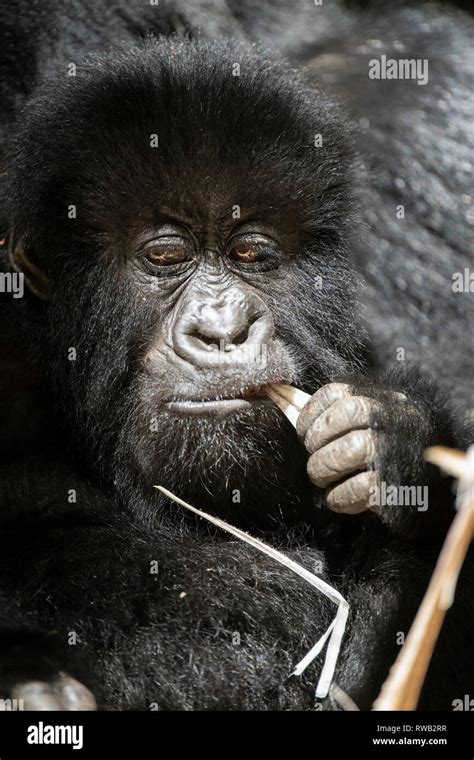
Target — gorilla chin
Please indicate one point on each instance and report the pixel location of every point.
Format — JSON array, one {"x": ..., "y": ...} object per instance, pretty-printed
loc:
[{"x": 246, "y": 465}]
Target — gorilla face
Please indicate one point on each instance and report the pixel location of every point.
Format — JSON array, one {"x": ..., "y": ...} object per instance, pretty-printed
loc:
[{"x": 197, "y": 251}]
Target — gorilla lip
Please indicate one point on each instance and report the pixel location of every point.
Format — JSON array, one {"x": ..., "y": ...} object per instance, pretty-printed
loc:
[{"x": 222, "y": 406}]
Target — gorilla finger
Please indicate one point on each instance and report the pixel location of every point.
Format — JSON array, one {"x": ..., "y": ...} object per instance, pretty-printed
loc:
[
  {"x": 385, "y": 395},
  {"x": 74, "y": 695},
  {"x": 354, "y": 495},
  {"x": 346, "y": 414},
  {"x": 353, "y": 451},
  {"x": 318, "y": 403},
  {"x": 64, "y": 693},
  {"x": 37, "y": 695}
]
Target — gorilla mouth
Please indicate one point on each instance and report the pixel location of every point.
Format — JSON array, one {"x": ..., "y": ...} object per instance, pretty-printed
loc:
[{"x": 220, "y": 405}]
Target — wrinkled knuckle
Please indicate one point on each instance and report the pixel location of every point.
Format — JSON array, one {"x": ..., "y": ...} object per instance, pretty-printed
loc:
[
  {"x": 372, "y": 445},
  {"x": 356, "y": 443},
  {"x": 311, "y": 437},
  {"x": 354, "y": 409},
  {"x": 314, "y": 471},
  {"x": 334, "y": 500},
  {"x": 302, "y": 423}
]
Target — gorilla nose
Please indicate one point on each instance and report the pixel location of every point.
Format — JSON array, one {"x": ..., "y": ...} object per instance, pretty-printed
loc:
[{"x": 229, "y": 329}]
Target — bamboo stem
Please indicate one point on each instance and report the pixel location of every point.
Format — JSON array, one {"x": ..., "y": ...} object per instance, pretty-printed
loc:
[{"x": 402, "y": 688}]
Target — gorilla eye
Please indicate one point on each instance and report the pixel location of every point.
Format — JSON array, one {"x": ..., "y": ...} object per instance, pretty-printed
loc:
[
  {"x": 246, "y": 253},
  {"x": 167, "y": 251},
  {"x": 254, "y": 249}
]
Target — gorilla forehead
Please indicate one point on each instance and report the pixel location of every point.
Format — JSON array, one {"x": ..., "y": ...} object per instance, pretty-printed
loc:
[{"x": 223, "y": 139}]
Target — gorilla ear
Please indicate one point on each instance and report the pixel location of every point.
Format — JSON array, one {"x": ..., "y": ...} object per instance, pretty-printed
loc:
[{"x": 35, "y": 279}]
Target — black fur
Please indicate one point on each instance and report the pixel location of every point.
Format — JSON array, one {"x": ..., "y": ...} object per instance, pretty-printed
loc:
[{"x": 166, "y": 639}]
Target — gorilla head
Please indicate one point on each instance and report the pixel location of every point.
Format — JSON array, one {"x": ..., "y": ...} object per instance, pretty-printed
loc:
[{"x": 185, "y": 212}]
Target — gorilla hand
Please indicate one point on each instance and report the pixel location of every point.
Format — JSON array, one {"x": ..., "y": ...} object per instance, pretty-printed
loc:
[{"x": 349, "y": 438}]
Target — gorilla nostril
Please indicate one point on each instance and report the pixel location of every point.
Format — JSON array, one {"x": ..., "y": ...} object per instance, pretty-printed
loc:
[
  {"x": 221, "y": 333},
  {"x": 221, "y": 339}
]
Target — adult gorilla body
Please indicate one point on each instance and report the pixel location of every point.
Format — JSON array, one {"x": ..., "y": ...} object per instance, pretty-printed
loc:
[{"x": 153, "y": 146}]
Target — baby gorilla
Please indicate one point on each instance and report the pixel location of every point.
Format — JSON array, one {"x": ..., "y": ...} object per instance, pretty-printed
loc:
[
  {"x": 187, "y": 242},
  {"x": 194, "y": 274}
]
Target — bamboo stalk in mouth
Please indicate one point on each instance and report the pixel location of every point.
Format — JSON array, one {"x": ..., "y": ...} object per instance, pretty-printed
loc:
[{"x": 288, "y": 398}]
